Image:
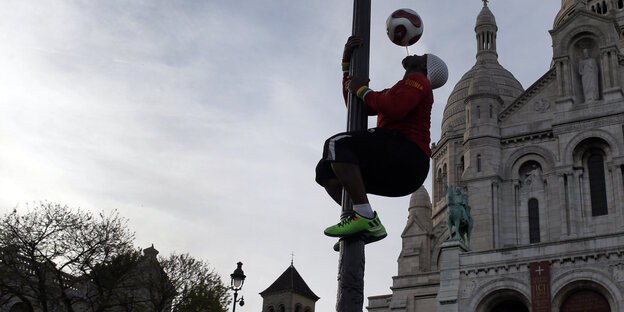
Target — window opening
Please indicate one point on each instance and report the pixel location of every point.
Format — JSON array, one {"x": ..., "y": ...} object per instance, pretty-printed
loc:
[
  {"x": 597, "y": 185},
  {"x": 534, "y": 229}
]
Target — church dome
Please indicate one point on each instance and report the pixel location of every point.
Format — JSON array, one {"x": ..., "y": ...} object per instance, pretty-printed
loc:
[
  {"x": 567, "y": 8},
  {"x": 486, "y": 76},
  {"x": 420, "y": 199},
  {"x": 486, "y": 17}
]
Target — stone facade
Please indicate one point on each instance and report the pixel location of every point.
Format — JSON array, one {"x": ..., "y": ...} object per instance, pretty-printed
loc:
[{"x": 544, "y": 171}]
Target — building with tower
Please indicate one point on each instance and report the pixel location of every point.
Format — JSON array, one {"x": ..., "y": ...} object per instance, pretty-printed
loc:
[
  {"x": 543, "y": 169},
  {"x": 289, "y": 293}
]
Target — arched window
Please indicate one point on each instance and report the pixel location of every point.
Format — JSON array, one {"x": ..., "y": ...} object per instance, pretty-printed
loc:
[
  {"x": 444, "y": 175},
  {"x": 439, "y": 185},
  {"x": 298, "y": 307},
  {"x": 534, "y": 227},
  {"x": 271, "y": 309},
  {"x": 582, "y": 297},
  {"x": 605, "y": 9},
  {"x": 21, "y": 307},
  {"x": 510, "y": 305},
  {"x": 479, "y": 163},
  {"x": 597, "y": 185},
  {"x": 461, "y": 164},
  {"x": 620, "y": 4},
  {"x": 282, "y": 308}
]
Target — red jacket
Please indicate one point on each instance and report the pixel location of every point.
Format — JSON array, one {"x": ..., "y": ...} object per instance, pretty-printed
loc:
[{"x": 406, "y": 107}]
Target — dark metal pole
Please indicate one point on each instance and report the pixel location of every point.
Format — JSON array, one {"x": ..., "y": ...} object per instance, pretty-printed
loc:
[
  {"x": 234, "y": 305},
  {"x": 351, "y": 264}
]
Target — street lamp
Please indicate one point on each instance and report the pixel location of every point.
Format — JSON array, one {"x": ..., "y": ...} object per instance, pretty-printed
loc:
[{"x": 238, "y": 278}]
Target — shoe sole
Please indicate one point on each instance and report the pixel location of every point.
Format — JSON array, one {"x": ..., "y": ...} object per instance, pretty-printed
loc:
[{"x": 367, "y": 240}]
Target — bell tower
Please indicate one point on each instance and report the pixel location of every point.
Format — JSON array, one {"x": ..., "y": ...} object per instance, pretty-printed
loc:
[{"x": 289, "y": 293}]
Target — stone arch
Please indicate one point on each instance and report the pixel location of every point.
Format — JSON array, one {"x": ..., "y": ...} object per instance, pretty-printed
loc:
[
  {"x": 571, "y": 147},
  {"x": 21, "y": 307},
  {"x": 440, "y": 235},
  {"x": 576, "y": 33},
  {"x": 586, "y": 279},
  {"x": 539, "y": 154},
  {"x": 497, "y": 290}
]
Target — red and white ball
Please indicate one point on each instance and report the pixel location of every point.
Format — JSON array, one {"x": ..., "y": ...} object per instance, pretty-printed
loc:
[{"x": 404, "y": 27}]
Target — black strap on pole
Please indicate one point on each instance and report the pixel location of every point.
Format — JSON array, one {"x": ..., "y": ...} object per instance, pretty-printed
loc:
[{"x": 351, "y": 264}]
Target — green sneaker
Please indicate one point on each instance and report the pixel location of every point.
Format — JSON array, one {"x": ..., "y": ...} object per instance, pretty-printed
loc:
[
  {"x": 354, "y": 224},
  {"x": 368, "y": 237}
]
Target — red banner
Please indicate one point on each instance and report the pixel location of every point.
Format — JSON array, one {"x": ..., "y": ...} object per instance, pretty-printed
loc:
[{"x": 540, "y": 286}]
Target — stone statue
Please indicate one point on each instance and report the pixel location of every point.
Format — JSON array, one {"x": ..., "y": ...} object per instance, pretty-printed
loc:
[
  {"x": 458, "y": 215},
  {"x": 533, "y": 175},
  {"x": 588, "y": 69}
]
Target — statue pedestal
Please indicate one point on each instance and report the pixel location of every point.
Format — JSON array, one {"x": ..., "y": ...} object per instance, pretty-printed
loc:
[
  {"x": 446, "y": 301},
  {"x": 612, "y": 93}
]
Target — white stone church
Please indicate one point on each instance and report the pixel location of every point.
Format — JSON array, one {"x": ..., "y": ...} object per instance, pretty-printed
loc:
[{"x": 544, "y": 172}]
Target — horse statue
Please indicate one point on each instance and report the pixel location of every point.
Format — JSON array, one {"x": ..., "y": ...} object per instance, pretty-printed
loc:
[
  {"x": 466, "y": 224},
  {"x": 458, "y": 218}
]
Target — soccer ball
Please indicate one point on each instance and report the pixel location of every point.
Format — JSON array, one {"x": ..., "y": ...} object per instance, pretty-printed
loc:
[{"x": 404, "y": 27}]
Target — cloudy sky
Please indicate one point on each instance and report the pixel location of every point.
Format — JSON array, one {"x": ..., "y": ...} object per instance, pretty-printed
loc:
[{"x": 202, "y": 121}]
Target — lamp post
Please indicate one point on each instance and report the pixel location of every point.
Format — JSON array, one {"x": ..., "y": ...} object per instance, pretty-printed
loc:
[{"x": 238, "y": 278}]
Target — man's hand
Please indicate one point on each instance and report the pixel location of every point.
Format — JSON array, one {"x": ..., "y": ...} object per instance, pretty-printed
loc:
[
  {"x": 354, "y": 83},
  {"x": 352, "y": 43}
]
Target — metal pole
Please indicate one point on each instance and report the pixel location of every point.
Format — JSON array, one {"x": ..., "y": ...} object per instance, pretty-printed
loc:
[
  {"x": 234, "y": 305},
  {"x": 351, "y": 263}
]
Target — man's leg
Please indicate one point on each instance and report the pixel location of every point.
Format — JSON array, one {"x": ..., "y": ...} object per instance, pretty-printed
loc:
[
  {"x": 350, "y": 177},
  {"x": 334, "y": 189}
]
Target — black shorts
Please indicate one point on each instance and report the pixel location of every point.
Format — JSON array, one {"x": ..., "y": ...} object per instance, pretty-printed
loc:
[{"x": 391, "y": 164}]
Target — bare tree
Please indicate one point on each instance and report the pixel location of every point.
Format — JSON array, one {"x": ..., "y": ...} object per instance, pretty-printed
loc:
[
  {"x": 53, "y": 257},
  {"x": 47, "y": 252}
]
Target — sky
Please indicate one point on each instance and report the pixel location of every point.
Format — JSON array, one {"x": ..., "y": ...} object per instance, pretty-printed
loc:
[{"x": 201, "y": 122}]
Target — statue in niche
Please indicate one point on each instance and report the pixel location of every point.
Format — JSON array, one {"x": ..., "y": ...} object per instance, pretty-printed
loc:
[
  {"x": 588, "y": 69},
  {"x": 532, "y": 176},
  {"x": 458, "y": 215}
]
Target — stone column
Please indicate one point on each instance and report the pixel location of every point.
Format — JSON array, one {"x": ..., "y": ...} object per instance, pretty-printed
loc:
[
  {"x": 618, "y": 188},
  {"x": 496, "y": 216},
  {"x": 574, "y": 199},
  {"x": 606, "y": 73},
  {"x": 564, "y": 204},
  {"x": 450, "y": 251}
]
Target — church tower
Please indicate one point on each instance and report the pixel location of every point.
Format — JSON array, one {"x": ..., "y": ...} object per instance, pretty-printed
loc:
[
  {"x": 468, "y": 153},
  {"x": 289, "y": 293}
]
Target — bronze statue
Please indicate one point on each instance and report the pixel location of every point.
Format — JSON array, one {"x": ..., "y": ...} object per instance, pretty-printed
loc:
[{"x": 459, "y": 220}]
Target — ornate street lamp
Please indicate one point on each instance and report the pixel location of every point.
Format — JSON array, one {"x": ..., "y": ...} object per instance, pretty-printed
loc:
[{"x": 238, "y": 278}]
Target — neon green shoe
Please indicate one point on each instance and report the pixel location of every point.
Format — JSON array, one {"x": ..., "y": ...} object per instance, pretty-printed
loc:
[
  {"x": 368, "y": 237},
  {"x": 354, "y": 224}
]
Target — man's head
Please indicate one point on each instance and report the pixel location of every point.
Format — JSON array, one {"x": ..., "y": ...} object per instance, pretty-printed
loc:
[
  {"x": 415, "y": 63},
  {"x": 429, "y": 65}
]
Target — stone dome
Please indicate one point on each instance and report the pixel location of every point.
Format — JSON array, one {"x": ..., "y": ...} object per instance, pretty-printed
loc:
[
  {"x": 487, "y": 75},
  {"x": 420, "y": 199},
  {"x": 567, "y": 8},
  {"x": 486, "y": 17}
]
